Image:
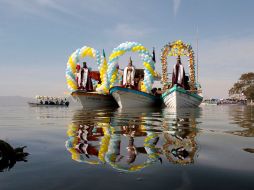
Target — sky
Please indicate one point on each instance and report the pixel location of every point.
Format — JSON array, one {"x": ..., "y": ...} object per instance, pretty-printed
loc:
[{"x": 38, "y": 36}]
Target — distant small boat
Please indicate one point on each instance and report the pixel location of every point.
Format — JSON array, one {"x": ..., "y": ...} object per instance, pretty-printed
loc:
[
  {"x": 33, "y": 104},
  {"x": 213, "y": 102},
  {"x": 46, "y": 101},
  {"x": 177, "y": 97},
  {"x": 93, "y": 99},
  {"x": 127, "y": 98}
]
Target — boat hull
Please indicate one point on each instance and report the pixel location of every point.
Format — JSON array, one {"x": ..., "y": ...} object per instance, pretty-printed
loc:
[
  {"x": 32, "y": 104},
  {"x": 130, "y": 98},
  {"x": 92, "y": 99},
  {"x": 177, "y": 97}
]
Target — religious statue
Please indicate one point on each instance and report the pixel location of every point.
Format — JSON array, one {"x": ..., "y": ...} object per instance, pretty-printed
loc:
[
  {"x": 178, "y": 76},
  {"x": 86, "y": 79},
  {"x": 128, "y": 75}
]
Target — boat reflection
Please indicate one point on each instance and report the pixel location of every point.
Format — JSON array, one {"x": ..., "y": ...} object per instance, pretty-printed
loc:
[
  {"x": 180, "y": 145},
  {"x": 129, "y": 141},
  {"x": 243, "y": 116}
]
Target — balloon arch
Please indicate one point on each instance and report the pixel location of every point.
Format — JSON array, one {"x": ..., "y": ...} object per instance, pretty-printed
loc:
[
  {"x": 75, "y": 58},
  {"x": 146, "y": 57},
  {"x": 177, "y": 48}
]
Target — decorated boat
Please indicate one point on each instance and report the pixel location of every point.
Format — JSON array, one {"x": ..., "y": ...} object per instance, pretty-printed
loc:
[
  {"x": 96, "y": 96},
  {"x": 176, "y": 95},
  {"x": 136, "y": 93},
  {"x": 126, "y": 97}
]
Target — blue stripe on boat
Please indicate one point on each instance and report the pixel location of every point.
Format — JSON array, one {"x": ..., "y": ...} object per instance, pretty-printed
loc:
[
  {"x": 181, "y": 90},
  {"x": 117, "y": 88}
]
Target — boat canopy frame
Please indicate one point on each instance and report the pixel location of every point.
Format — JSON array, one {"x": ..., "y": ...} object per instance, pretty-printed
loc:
[{"x": 177, "y": 48}]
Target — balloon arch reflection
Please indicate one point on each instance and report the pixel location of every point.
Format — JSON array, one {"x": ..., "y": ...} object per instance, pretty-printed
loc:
[{"x": 131, "y": 145}]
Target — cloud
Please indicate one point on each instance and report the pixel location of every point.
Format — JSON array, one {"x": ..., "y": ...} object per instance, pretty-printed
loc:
[
  {"x": 41, "y": 8},
  {"x": 129, "y": 31},
  {"x": 176, "y": 6}
]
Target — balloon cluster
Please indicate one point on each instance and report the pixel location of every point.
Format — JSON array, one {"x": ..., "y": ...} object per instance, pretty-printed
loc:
[
  {"x": 75, "y": 58},
  {"x": 146, "y": 57},
  {"x": 177, "y": 48}
]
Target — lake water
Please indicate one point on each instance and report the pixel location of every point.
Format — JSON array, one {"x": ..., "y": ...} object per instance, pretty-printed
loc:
[{"x": 211, "y": 147}]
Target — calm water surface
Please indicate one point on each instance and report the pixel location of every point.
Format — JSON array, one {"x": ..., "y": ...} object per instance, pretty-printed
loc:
[{"x": 211, "y": 147}]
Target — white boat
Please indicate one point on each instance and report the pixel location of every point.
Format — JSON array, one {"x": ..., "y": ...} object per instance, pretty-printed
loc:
[
  {"x": 130, "y": 98},
  {"x": 93, "y": 99},
  {"x": 210, "y": 102},
  {"x": 178, "y": 97}
]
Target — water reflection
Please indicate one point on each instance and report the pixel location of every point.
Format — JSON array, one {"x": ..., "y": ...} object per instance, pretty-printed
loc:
[
  {"x": 9, "y": 155},
  {"x": 243, "y": 116},
  {"x": 180, "y": 132},
  {"x": 129, "y": 140}
]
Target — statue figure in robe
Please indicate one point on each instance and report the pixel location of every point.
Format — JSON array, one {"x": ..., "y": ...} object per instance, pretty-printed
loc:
[
  {"x": 86, "y": 79},
  {"x": 78, "y": 76},
  {"x": 178, "y": 76},
  {"x": 128, "y": 75}
]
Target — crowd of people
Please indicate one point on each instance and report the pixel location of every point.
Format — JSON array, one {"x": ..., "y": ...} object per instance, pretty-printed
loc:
[{"x": 52, "y": 100}]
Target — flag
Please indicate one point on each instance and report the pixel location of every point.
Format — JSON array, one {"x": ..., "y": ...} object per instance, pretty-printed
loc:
[
  {"x": 104, "y": 58},
  {"x": 104, "y": 55},
  {"x": 154, "y": 55}
]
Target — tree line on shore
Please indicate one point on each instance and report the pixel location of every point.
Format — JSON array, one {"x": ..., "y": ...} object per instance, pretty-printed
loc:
[{"x": 244, "y": 86}]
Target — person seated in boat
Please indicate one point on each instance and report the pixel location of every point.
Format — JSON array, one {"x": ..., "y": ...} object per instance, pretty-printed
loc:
[
  {"x": 57, "y": 101},
  {"x": 66, "y": 102},
  {"x": 154, "y": 90},
  {"x": 136, "y": 82},
  {"x": 187, "y": 86},
  {"x": 140, "y": 82},
  {"x": 46, "y": 101},
  {"x": 51, "y": 102},
  {"x": 86, "y": 79},
  {"x": 178, "y": 76},
  {"x": 78, "y": 76},
  {"x": 158, "y": 92},
  {"x": 128, "y": 75}
]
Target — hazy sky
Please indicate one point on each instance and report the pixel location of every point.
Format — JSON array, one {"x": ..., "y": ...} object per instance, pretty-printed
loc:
[{"x": 38, "y": 36}]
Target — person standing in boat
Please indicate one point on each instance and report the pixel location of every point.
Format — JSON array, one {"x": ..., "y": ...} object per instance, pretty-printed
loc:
[
  {"x": 86, "y": 79},
  {"x": 128, "y": 75},
  {"x": 78, "y": 76},
  {"x": 178, "y": 76}
]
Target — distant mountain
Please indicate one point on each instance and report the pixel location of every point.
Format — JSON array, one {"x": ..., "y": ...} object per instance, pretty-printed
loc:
[
  {"x": 21, "y": 101},
  {"x": 14, "y": 100}
]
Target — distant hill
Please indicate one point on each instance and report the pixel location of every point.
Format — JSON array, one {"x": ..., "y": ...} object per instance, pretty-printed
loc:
[
  {"x": 21, "y": 101},
  {"x": 14, "y": 100}
]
